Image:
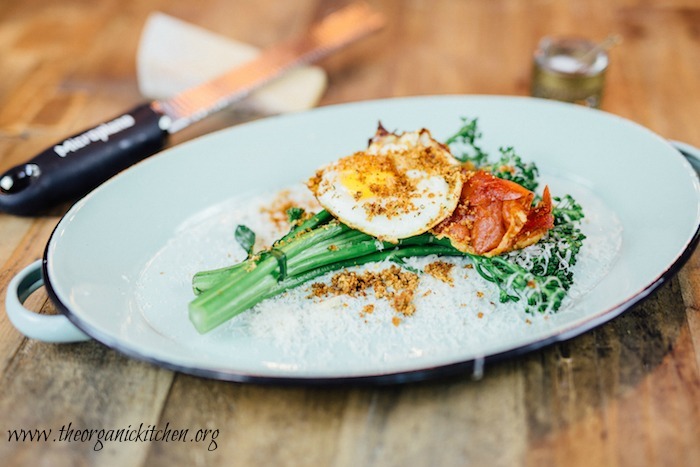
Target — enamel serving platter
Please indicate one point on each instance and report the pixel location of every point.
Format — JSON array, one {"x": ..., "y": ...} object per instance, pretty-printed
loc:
[{"x": 95, "y": 261}]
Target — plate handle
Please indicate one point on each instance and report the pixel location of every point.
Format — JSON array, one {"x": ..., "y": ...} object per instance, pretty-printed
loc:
[{"x": 47, "y": 328}]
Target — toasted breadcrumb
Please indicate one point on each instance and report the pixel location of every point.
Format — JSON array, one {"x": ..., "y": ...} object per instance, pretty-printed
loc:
[
  {"x": 441, "y": 271},
  {"x": 276, "y": 211},
  {"x": 393, "y": 284}
]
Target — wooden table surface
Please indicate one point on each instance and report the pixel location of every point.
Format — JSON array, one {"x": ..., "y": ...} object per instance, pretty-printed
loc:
[{"x": 626, "y": 393}]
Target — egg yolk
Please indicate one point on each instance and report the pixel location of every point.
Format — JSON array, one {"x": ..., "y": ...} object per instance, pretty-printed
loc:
[{"x": 365, "y": 185}]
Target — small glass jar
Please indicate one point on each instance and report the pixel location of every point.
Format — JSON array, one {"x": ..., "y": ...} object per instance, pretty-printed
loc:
[{"x": 569, "y": 70}]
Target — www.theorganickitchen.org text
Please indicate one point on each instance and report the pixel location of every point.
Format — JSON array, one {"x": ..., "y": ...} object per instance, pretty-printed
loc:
[{"x": 98, "y": 437}]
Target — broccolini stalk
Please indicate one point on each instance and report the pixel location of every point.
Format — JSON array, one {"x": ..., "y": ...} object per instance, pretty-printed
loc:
[
  {"x": 320, "y": 218},
  {"x": 307, "y": 255},
  {"x": 205, "y": 280},
  {"x": 541, "y": 293},
  {"x": 246, "y": 284},
  {"x": 555, "y": 254},
  {"x": 511, "y": 167},
  {"x": 270, "y": 289},
  {"x": 463, "y": 144}
]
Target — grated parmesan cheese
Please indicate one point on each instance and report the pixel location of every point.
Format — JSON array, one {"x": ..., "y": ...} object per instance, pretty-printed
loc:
[{"x": 463, "y": 316}]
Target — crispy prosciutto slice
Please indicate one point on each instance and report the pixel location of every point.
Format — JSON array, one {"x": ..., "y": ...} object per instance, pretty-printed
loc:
[{"x": 495, "y": 216}]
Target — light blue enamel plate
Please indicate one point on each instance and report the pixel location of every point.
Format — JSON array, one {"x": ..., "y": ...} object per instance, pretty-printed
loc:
[{"x": 118, "y": 265}]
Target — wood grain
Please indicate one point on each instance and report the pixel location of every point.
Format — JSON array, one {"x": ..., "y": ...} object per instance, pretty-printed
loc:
[{"x": 625, "y": 394}]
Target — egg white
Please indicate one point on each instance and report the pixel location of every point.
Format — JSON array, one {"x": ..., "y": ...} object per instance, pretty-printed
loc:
[{"x": 434, "y": 197}]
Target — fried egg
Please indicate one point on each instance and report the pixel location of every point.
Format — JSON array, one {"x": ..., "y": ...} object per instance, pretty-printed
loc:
[{"x": 401, "y": 186}]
